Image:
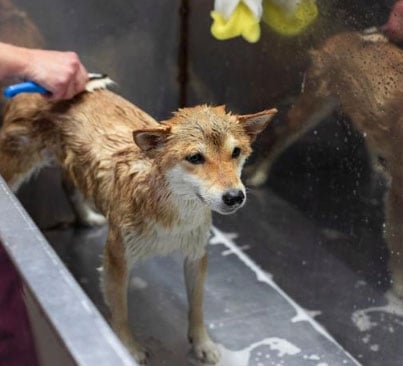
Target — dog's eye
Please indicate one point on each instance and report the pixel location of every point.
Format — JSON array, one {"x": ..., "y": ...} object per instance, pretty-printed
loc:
[
  {"x": 195, "y": 158},
  {"x": 236, "y": 152}
]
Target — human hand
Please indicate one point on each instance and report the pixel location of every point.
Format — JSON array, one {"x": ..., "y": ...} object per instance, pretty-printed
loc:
[{"x": 62, "y": 73}]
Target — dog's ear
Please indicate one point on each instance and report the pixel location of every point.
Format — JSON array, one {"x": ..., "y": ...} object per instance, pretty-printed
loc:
[
  {"x": 256, "y": 123},
  {"x": 152, "y": 138}
]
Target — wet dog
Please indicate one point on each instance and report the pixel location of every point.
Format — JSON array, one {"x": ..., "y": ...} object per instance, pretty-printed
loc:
[
  {"x": 157, "y": 183},
  {"x": 362, "y": 74}
]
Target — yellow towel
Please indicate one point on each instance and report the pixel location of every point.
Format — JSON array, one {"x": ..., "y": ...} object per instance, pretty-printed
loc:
[
  {"x": 241, "y": 23},
  {"x": 289, "y": 22}
]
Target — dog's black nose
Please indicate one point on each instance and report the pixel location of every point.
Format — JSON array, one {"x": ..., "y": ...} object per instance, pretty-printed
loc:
[{"x": 233, "y": 197}]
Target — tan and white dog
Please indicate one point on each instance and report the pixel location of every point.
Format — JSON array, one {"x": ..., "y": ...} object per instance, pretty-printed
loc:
[
  {"x": 362, "y": 74},
  {"x": 157, "y": 183}
]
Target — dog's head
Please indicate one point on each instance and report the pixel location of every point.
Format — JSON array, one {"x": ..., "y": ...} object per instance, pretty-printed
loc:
[{"x": 201, "y": 152}]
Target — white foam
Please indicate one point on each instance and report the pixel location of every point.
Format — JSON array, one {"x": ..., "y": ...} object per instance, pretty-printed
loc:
[
  {"x": 362, "y": 319},
  {"x": 312, "y": 357},
  {"x": 219, "y": 238},
  {"x": 374, "y": 38},
  {"x": 374, "y": 347},
  {"x": 242, "y": 357},
  {"x": 101, "y": 83},
  {"x": 366, "y": 339},
  {"x": 138, "y": 283},
  {"x": 311, "y": 313},
  {"x": 229, "y": 251}
]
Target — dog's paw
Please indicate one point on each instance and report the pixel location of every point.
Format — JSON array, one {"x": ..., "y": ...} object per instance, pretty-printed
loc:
[
  {"x": 206, "y": 351},
  {"x": 139, "y": 353},
  {"x": 91, "y": 219},
  {"x": 141, "y": 357}
]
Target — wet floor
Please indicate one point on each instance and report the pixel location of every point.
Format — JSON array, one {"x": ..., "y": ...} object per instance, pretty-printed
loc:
[{"x": 275, "y": 294}]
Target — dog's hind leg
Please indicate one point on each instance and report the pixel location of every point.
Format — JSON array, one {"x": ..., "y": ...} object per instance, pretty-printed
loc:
[
  {"x": 114, "y": 282},
  {"x": 85, "y": 214},
  {"x": 195, "y": 275},
  {"x": 20, "y": 156},
  {"x": 311, "y": 107}
]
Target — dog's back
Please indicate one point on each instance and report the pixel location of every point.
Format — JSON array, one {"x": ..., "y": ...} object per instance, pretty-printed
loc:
[
  {"x": 364, "y": 74},
  {"x": 36, "y": 131},
  {"x": 360, "y": 73}
]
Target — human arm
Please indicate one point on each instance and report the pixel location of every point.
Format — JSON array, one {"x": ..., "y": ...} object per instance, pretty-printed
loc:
[{"x": 62, "y": 73}]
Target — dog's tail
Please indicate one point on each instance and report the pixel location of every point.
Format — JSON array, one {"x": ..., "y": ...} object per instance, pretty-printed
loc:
[{"x": 98, "y": 81}]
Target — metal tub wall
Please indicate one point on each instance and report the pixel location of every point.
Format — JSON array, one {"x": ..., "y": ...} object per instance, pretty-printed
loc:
[{"x": 67, "y": 328}]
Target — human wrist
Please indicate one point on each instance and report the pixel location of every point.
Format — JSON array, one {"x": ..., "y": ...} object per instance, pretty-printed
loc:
[
  {"x": 24, "y": 59},
  {"x": 14, "y": 61}
]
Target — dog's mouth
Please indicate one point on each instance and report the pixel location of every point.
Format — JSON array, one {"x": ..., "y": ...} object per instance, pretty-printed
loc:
[{"x": 228, "y": 210}]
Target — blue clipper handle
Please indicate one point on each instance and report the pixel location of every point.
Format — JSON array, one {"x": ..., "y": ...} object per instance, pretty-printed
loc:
[{"x": 25, "y": 87}]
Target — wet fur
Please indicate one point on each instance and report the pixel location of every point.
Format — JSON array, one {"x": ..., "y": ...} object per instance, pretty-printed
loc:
[
  {"x": 135, "y": 171},
  {"x": 361, "y": 73}
]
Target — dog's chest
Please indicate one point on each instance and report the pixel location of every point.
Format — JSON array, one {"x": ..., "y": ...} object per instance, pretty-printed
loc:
[{"x": 189, "y": 235}]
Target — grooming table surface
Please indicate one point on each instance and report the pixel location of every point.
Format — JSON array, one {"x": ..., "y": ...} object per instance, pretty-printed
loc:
[{"x": 274, "y": 295}]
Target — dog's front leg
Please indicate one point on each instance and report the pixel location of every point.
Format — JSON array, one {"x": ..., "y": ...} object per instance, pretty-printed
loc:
[
  {"x": 195, "y": 275},
  {"x": 114, "y": 284}
]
